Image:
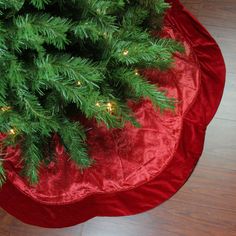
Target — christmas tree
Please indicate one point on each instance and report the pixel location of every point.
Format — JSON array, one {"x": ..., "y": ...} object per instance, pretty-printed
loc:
[{"x": 80, "y": 55}]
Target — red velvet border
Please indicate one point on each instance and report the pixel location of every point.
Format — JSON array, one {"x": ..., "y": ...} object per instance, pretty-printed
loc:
[{"x": 176, "y": 173}]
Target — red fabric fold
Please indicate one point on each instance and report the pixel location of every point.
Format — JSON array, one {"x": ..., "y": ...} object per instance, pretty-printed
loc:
[{"x": 136, "y": 169}]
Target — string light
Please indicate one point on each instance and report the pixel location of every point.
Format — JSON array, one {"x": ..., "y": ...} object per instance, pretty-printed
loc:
[
  {"x": 12, "y": 131},
  {"x": 105, "y": 35},
  {"x": 5, "y": 108},
  {"x": 125, "y": 52},
  {"x": 136, "y": 72},
  {"x": 109, "y": 107}
]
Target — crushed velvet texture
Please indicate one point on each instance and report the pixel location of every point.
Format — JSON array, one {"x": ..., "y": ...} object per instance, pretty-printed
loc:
[{"x": 136, "y": 169}]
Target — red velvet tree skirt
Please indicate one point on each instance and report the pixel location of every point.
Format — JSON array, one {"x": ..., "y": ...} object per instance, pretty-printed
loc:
[{"x": 136, "y": 169}]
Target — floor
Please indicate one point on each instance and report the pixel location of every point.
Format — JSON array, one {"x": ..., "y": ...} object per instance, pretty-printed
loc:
[{"x": 206, "y": 205}]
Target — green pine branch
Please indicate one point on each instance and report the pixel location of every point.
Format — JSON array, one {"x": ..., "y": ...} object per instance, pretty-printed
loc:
[
  {"x": 35, "y": 29},
  {"x": 32, "y": 157},
  {"x": 143, "y": 89},
  {"x": 155, "y": 54},
  {"x": 73, "y": 137},
  {"x": 12, "y": 4},
  {"x": 159, "y": 6},
  {"x": 74, "y": 68},
  {"x": 2, "y": 174},
  {"x": 85, "y": 54},
  {"x": 40, "y": 4}
]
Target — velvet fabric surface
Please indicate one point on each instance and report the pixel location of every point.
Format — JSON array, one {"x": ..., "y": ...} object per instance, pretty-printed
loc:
[{"x": 136, "y": 168}]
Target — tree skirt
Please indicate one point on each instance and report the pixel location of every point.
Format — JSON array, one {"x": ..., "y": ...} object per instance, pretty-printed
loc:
[{"x": 135, "y": 169}]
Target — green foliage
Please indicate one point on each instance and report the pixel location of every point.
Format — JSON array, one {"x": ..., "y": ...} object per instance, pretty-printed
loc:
[
  {"x": 11, "y": 4},
  {"x": 147, "y": 54},
  {"x": 74, "y": 142},
  {"x": 159, "y": 6},
  {"x": 35, "y": 30},
  {"x": 141, "y": 88},
  {"x": 40, "y": 4},
  {"x": 32, "y": 157},
  {"x": 2, "y": 174},
  {"x": 85, "y": 54}
]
